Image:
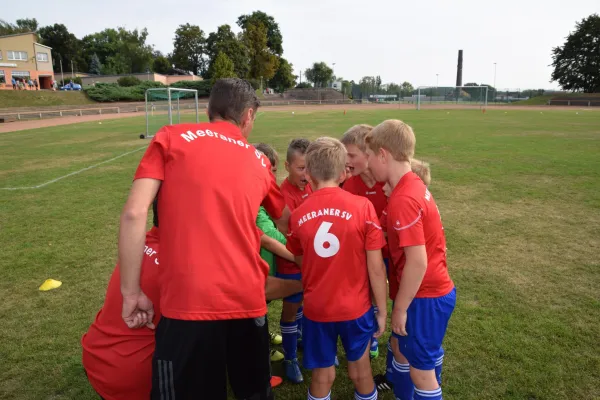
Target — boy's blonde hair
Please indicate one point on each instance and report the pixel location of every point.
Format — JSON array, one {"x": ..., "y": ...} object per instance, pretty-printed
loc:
[
  {"x": 394, "y": 136},
  {"x": 269, "y": 152},
  {"x": 356, "y": 136},
  {"x": 325, "y": 159},
  {"x": 422, "y": 170}
]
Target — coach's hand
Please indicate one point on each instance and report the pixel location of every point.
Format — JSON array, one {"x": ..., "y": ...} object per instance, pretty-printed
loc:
[
  {"x": 399, "y": 322},
  {"x": 138, "y": 311},
  {"x": 381, "y": 322}
]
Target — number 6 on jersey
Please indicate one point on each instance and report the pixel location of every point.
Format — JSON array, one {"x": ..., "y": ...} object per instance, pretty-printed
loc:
[{"x": 324, "y": 236}]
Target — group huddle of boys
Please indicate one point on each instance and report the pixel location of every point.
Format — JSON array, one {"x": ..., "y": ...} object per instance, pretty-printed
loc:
[{"x": 351, "y": 216}]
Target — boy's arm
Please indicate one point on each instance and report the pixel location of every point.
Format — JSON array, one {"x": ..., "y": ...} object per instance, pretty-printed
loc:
[
  {"x": 378, "y": 280},
  {"x": 279, "y": 288},
  {"x": 282, "y": 223},
  {"x": 276, "y": 248},
  {"x": 266, "y": 224},
  {"x": 412, "y": 276}
]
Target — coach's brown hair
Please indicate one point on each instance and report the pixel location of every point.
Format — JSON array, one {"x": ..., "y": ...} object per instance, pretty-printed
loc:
[
  {"x": 356, "y": 136},
  {"x": 422, "y": 170},
  {"x": 230, "y": 98},
  {"x": 394, "y": 136},
  {"x": 325, "y": 159}
]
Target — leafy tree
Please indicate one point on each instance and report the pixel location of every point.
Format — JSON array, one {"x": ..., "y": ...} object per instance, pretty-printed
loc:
[
  {"x": 274, "y": 38},
  {"x": 284, "y": 77},
  {"x": 368, "y": 85},
  {"x": 224, "y": 40},
  {"x": 303, "y": 85},
  {"x": 223, "y": 68},
  {"x": 189, "y": 49},
  {"x": 320, "y": 74},
  {"x": 577, "y": 62},
  {"x": 161, "y": 64},
  {"x": 22, "y": 26},
  {"x": 95, "y": 65},
  {"x": 263, "y": 63},
  {"x": 406, "y": 89},
  {"x": 378, "y": 82},
  {"x": 65, "y": 47}
]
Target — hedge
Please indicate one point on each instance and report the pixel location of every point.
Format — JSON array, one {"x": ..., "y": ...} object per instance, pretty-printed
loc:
[
  {"x": 112, "y": 92},
  {"x": 128, "y": 81}
]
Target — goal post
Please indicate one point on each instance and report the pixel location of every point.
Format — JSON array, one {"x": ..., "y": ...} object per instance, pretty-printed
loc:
[
  {"x": 164, "y": 106},
  {"x": 476, "y": 96}
]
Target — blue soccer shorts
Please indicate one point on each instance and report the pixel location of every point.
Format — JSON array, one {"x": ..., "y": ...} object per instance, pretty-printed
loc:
[
  {"x": 320, "y": 339},
  {"x": 295, "y": 298},
  {"x": 386, "y": 261},
  {"x": 426, "y": 324}
]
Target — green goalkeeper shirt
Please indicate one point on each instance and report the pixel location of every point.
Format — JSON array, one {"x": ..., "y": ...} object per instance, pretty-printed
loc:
[{"x": 266, "y": 224}]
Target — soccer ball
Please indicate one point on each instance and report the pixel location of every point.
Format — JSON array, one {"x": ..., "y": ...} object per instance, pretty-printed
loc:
[{"x": 292, "y": 113}]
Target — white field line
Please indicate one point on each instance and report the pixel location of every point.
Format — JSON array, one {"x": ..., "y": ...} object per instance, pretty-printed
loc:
[{"x": 72, "y": 173}]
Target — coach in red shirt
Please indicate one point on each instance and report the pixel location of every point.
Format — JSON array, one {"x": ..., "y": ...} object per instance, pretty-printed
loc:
[{"x": 212, "y": 278}]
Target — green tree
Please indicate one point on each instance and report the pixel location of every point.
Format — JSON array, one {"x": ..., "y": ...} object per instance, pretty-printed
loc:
[
  {"x": 320, "y": 74},
  {"x": 284, "y": 77},
  {"x": 223, "y": 68},
  {"x": 189, "y": 49},
  {"x": 406, "y": 89},
  {"x": 225, "y": 41},
  {"x": 95, "y": 65},
  {"x": 368, "y": 85},
  {"x": 28, "y": 24},
  {"x": 263, "y": 63},
  {"x": 161, "y": 64},
  {"x": 22, "y": 26},
  {"x": 577, "y": 62},
  {"x": 274, "y": 38},
  {"x": 65, "y": 47},
  {"x": 303, "y": 85}
]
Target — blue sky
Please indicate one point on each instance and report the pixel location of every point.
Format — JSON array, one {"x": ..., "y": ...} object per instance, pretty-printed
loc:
[{"x": 397, "y": 40}]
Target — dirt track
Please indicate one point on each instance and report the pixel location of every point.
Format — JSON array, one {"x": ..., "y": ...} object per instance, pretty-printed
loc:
[{"x": 24, "y": 125}]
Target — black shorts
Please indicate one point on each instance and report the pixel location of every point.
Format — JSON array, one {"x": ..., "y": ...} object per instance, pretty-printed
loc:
[{"x": 193, "y": 359}]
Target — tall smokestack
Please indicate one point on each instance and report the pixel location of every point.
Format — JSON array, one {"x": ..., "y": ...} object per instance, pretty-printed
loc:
[{"x": 459, "y": 68}]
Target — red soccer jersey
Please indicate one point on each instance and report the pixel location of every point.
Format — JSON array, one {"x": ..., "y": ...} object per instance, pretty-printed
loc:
[
  {"x": 117, "y": 359},
  {"x": 293, "y": 198},
  {"x": 357, "y": 186},
  {"x": 332, "y": 231},
  {"x": 413, "y": 220},
  {"x": 213, "y": 185}
]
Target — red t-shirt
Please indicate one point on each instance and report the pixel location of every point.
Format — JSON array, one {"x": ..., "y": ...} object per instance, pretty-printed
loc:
[
  {"x": 117, "y": 359},
  {"x": 375, "y": 194},
  {"x": 213, "y": 185},
  {"x": 332, "y": 230},
  {"x": 413, "y": 220},
  {"x": 293, "y": 198}
]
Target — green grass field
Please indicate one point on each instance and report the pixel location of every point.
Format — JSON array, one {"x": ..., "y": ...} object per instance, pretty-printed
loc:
[
  {"x": 41, "y": 98},
  {"x": 519, "y": 193}
]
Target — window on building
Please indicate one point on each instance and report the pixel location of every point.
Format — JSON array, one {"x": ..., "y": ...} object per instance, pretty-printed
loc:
[
  {"x": 2, "y": 77},
  {"x": 17, "y": 55},
  {"x": 21, "y": 75},
  {"x": 0, "y": 55},
  {"x": 42, "y": 57}
]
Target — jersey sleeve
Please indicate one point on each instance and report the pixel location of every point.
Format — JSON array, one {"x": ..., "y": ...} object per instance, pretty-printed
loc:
[
  {"x": 267, "y": 226},
  {"x": 293, "y": 242},
  {"x": 406, "y": 217},
  {"x": 383, "y": 220},
  {"x": 273, "y": 201},
  {"x": 152, "y": 164},
  {"x": 374, "y": 239}
]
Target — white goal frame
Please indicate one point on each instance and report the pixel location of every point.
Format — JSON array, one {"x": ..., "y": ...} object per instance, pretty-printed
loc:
[
  {"x": 171, "y": 106},
  {"x": 484, "y": 103}
]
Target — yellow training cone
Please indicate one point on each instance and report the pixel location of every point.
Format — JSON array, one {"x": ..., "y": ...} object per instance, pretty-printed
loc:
[{"x": 50, "y": 284}]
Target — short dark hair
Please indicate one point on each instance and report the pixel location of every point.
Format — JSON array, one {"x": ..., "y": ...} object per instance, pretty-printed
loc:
[
  {"x": 155, "y": 212},
  {"x": 229, "y": 98},
  {"x": 296, "y": 146},
  {"x": 269, "y": 152}
]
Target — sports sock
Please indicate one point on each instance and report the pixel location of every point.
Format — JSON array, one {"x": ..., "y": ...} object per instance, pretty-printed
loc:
[
  {"x": 403, "y": 386},
  {"x": 428, "y": 394},
  {"x": 389, "y": 369},
  {"x": 311, "y": 397},
  {"x": 370, "y": 396},
  {"x": 299, "y": 319},
  {"x": 289, "y": 335}
]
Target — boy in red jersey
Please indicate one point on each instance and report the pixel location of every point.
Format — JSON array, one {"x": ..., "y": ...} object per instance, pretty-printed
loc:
[
  {"x": 362, "y": 183},
  {"x": 337, "y": 238},
  {"x": 212, "y": 294},
  {"x": 425, "y": 296},
  {"x": 295, "y": 189}
]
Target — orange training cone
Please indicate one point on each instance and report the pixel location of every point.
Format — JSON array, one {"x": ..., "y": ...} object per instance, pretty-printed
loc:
[{"x": 344, "y": 112}]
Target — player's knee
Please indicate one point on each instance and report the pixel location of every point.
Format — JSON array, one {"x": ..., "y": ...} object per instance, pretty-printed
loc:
[
  {"x": 289, "y": 311},
  {"x": 324, "y": 376},
  {"x": 359, "y": 374},
  {"x": 424, "y": 379}
]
